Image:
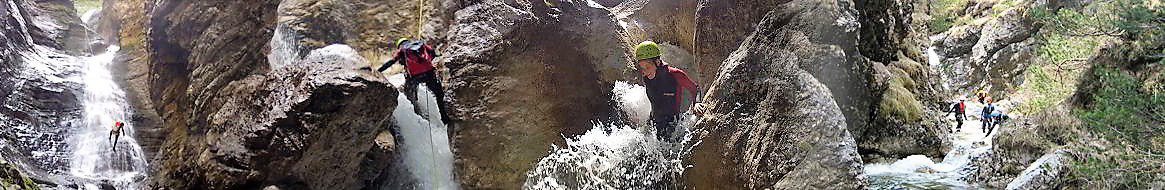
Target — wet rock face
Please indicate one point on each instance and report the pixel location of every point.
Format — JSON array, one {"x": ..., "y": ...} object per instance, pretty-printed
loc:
[
  {"x": 771, "y": 124},
  {"x": 522, "y": 76},
  {"x": 722, "y": 25},
  {"x": 363, "y": 24},
  {"x": 39, "y": 91},
  {"x": 316, "y": 126},
  {"x": 57, "y": 25}
]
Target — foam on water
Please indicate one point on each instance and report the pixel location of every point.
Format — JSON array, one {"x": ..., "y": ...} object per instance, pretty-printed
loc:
[{"x": 616, "y": 156}]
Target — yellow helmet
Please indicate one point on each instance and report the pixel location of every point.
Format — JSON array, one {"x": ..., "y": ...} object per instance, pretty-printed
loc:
[
  {"x": 400, "y": 40},
  {"x": 646, "y": 50}
]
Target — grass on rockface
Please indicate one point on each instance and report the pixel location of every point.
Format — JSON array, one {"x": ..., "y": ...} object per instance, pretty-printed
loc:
[
  {"x": 1062, "y": 60},
  {"x": 1123, "y": 146},
  {"x": 83, "y": 6},
  {"x": 944, "y": 13}
]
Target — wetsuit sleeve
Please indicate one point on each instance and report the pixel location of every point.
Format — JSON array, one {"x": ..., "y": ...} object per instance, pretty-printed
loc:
[
  {"x": 395, "y": 59},
  {"x": 686, "y": 83}
]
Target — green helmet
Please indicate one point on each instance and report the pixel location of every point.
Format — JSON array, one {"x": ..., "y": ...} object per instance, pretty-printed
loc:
[
  {"x": 400, "y": 40},
  {"x": 646, "y": 50}
]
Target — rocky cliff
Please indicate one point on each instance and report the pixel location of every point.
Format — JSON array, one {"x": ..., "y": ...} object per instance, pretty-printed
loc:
[
  {"x": 992, "y": 51},
  {"x": 763, "y": 104},
  {"x": 39, "y": 87}
]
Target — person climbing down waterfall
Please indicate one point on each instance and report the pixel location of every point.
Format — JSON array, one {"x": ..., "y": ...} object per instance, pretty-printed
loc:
[
  {"x": 665, "y": 86},
  {"x": 986, "y": 115},
  {"x": 417, "y": 57},
  {"x": 959, "y": 109},
  {"x": 115, "y": 134}
]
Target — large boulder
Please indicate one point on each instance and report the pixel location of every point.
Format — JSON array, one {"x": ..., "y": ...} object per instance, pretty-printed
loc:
[
  {"x": 522, "y": 76},
  {"x": 770, "y": 123},
  {"x": 229, "y": 120}
]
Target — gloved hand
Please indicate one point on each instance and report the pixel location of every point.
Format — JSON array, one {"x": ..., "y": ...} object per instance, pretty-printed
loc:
[{"x": 699, "y": 109}]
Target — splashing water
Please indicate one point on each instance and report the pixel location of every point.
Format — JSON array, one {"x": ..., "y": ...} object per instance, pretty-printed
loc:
[
  {"x": 426, "y": 144},
  {"x": 920, "y": 172},
  {"x": 94, "y": 157},
  {"x": 612, "y": 156}
]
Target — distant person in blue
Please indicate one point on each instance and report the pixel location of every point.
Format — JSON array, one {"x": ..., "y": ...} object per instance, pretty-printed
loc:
[{"x": 986, "y": 116}]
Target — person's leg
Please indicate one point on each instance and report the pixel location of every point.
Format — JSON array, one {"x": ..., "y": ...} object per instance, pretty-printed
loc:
[
  {"x": 438, "y": 93},
  {"x": 114, "y": 144},
  {"x": 664, "y": 127},
  {"x": 958, "y": 123}
]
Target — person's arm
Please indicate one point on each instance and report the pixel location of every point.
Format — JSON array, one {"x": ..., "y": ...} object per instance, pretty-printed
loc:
[
  {"x": 432, "y": 51},
  {"x": 686, "y": 83},
  {"x": 394, "y": 60}
]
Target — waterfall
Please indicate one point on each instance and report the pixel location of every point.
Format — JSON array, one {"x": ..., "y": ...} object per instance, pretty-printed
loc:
[
  {"x": 93, "y": 157},
  {"x": 426, "y": 150},
  {"x": 617, "y": 156}
]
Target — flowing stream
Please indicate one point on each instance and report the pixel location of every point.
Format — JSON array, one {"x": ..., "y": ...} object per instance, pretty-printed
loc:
[{"x": 922, "y": 172}]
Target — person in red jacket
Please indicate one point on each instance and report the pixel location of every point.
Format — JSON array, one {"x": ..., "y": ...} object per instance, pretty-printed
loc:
[
  {"x": 959, "y": 109},
  {"x": 417, "y": 57},
  {"x": 665, "y": 86}
]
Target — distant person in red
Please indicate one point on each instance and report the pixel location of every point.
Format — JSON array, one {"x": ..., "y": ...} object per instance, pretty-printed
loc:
[{"x": 115, "y": 133}]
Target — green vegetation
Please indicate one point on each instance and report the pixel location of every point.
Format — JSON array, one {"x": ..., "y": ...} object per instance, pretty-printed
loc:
[
  {"x": 900, "y": 100},
  {"x": 1124, "y": 119},
  {"x": 944, "y": 13},
  {"x": 83, "y": 6},
  {"x": 1052, "y": 79}
]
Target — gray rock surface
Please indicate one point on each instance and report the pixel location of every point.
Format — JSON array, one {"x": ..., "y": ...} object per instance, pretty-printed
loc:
[{"x": 770, "y": 123}]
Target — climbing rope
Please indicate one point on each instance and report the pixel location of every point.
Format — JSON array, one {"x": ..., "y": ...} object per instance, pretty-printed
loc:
[
  {"x": 432, "y": 144},
  {"x": 420, "y": 18}
]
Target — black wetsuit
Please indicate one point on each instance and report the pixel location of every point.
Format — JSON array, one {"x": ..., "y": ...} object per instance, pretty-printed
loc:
[{"x": 661, "y": 91}]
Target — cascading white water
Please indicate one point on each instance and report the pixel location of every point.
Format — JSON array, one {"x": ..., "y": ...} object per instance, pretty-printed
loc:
[
  {"x": 426, "y": 144},
  {"x": 616, "y": 156},
  {"x": 93, "y": 156},
  {"x": 920, "y": 172},
  {"x": 284, "y": 50}
]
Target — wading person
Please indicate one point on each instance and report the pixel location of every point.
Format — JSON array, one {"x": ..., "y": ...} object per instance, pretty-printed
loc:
[{"x": 665, "y": 86}]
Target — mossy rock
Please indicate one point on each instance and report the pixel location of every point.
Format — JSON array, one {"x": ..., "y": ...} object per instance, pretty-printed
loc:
[{"x": 899, "y": 100}]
